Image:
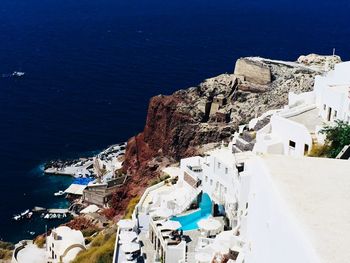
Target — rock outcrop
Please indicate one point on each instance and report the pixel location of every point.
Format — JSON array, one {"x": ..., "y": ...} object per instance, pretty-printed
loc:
[
  {"x": 180, "y": 124},
  {"x": 254, "y": 71},
  {"x": 315, "y": 60}
]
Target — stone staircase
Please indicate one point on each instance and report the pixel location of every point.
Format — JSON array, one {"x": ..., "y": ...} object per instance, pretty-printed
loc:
[{"x": 244, "y": 142}]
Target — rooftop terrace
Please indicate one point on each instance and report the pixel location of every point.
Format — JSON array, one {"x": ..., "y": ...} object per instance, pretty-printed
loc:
[{"x": 316, "y": 190}]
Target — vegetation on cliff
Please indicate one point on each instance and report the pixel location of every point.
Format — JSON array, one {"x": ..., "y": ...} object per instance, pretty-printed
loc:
[
  {"x": 6, "y": 249},
  {"x": 100, "y": 250}
]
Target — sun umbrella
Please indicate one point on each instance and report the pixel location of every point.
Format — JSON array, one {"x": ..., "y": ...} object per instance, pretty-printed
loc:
[
  {"x": 127, "y": 236},
  {"x": 209, "y": 224},
  {"x": 130, "y": 247},
  {"x": 203, "y": 257},
  {"x": 126, "y": 224},
  {"x": 171, "y": 225}
]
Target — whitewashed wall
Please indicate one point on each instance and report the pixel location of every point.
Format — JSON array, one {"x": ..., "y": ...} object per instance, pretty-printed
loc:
[
  {"x": 288, "y": 130},
  {"x": 271, "y": 232}
]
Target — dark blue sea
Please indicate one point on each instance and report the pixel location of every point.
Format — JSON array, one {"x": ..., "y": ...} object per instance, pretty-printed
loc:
[{"x": 91, "y": 67}]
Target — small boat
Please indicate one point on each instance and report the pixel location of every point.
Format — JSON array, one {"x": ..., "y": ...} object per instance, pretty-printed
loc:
[
  {"x": 47, "y": 216},
  {"x": 53, "y": 216},
  {"x": 32, "y": 233},
  {"x": 25, "y": 212},
  {"x": 16, "y": 217},
  {"x": 59, "y": 193},
  {"x": 18, "y": 74}
]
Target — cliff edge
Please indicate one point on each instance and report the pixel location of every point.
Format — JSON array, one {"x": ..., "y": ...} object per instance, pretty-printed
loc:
[{"x": 179, "y": 125}]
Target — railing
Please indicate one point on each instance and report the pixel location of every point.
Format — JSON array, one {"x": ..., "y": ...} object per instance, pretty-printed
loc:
[
  {"x": 143, "y": 197},
  {"x": 116, "y": 247}
]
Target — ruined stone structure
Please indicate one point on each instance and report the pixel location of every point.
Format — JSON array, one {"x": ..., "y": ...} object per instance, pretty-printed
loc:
[{"x": 254, "y": 71}]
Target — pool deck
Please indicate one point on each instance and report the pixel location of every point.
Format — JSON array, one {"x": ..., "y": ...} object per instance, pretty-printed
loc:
[{"x": 192, "y": 244}]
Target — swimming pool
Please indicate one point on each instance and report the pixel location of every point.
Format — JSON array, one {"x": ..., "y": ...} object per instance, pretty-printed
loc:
[{"x": 189, "y": 221}]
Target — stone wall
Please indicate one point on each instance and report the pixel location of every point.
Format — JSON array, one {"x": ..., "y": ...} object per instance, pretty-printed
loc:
[{"x": 253, "y": 71}]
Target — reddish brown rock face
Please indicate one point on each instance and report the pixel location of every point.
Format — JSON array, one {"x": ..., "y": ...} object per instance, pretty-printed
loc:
[
  {"x": 177, "y": 125},
  {"x": 169, "y": 132}
]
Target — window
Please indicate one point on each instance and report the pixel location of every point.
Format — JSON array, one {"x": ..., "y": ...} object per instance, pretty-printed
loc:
[
  {"x": 211, "y": 181},
  {"x": 219, "y": 165},
  {"x": 335, "y": 114},
  {"x": 226, "y": 170},
  {"x": 206, "y": 179},
  {"x": 306, "y": 149},
  {"x": 324, "y": 107},
  {"x": 329, "y": 114},
  {"x": 292, "y": 144}
]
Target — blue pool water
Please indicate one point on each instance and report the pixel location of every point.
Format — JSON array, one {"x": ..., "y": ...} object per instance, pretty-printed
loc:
[{"x": 189, "y": 222}]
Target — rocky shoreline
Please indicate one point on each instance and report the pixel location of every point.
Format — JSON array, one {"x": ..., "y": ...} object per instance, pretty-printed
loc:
[{"x": 84, "y": 167}]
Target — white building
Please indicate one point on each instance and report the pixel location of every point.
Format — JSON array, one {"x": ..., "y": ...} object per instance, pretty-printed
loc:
[
  {"x": 275, "y": 204},
  {"x": 63, "y": 244},
  {"x": 298, "y": 210},
  {"x": 295, "y": 129},
  {"x": 332, "y": 93},
  {"x": 278, "y": 208}
]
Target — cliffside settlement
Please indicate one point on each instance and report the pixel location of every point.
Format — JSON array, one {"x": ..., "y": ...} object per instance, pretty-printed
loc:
[
  {"x": 258, "y": 197},
  {"x": 210, "y": 140}
]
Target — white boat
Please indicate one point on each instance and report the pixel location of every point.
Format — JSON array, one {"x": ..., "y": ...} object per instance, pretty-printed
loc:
[
  {"x": 16, "y": 217},
  {"x": 59, "y": 193},
  {"x": 25, "y": 212},
  {"x": 53, "y": 216},
  {"x": 47, "y": 216},
  {"x": 32, "y": 233},
  {"x": 18, "y": 74}
]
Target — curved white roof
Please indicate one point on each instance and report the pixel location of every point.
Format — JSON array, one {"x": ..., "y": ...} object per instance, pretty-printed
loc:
[{"x": 65, "y": 238}]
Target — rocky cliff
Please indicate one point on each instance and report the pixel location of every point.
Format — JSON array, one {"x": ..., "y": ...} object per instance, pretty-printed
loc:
[{"x": 180, "y": 124}]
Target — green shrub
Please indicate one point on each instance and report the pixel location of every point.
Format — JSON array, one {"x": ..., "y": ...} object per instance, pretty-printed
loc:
[{"x": 337, "y": 136}]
